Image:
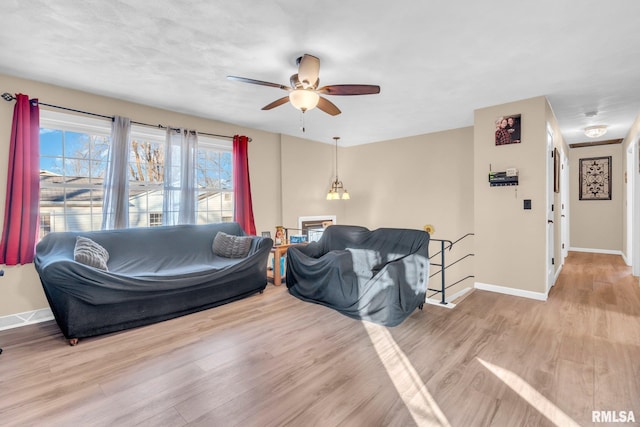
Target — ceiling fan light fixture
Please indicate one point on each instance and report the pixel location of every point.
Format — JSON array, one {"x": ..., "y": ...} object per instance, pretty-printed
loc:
[
  {"x": 595, "y": 131},
  {"x": 304, "y": 99}
]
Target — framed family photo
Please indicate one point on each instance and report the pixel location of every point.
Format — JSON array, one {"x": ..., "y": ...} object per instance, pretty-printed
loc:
[
  {"x": 595, "y": 178},
  {"x": 508, "y": 129}
]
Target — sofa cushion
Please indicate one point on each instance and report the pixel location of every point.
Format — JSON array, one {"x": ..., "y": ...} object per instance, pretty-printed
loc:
[
  {"x": 230, "y": 246},
  {"x": 90, "y": 253}
]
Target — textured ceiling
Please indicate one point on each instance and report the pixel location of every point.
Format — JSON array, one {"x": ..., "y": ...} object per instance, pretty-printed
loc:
[{"x": 436, "y": 61}]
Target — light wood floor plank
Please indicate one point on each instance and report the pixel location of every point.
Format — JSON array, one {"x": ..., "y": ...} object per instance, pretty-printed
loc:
[{"x": 273, "y": 360}]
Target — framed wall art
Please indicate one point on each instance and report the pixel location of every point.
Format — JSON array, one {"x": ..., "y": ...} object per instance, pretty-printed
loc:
[
  {"x": 508, "y": 129},
  {"x": 595, "y": 178}
]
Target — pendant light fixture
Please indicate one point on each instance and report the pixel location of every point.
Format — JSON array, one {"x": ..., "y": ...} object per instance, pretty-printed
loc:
[{"x": 337, "y": 190}]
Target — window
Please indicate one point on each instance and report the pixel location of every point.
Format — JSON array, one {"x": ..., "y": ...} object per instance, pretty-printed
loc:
[
  {"x": 73, "y": 159},
  {"x": 45, "y": 225},
  {"x": 214, "y": 180},
  {"x": 155, "y": 219},
  {"x": 146, "y": 175}
]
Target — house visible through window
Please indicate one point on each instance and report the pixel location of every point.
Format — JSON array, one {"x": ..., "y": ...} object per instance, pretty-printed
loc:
[
  {"x": 45, "y": 224},
  {"x": 155, "y": 219},
  {"x": 73, "y": 159},
  {"x": 214, "y": 180}
]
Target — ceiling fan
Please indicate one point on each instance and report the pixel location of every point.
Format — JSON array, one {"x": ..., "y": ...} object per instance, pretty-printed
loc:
[{"x": 304, "y": 93}]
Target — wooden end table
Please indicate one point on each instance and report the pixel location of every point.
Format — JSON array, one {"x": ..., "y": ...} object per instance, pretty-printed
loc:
[{"x": 278, "y": 252}]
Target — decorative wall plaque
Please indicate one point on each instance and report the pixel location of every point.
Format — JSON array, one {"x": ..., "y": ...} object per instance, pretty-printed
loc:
[{"x": 595, "y": 178}]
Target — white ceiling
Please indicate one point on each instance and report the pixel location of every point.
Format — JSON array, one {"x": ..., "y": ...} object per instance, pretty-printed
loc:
[{"x": 436, "y": 61}]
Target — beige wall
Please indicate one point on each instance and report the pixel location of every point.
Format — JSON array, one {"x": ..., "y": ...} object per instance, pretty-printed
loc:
[
  {"x": 410, "y": 182},
  {"x": 405, "y": 183},
  {"x": 510, "y": 241},
  {"x": 598, "y": 224},
  {"x": 307, "y": 172},
  {"x": 20, "y": 288}
]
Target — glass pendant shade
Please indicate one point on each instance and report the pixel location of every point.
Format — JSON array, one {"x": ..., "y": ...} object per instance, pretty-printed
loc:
[
  {"x": 304, "y": 99},
  {"x": 337, "y": 190}
]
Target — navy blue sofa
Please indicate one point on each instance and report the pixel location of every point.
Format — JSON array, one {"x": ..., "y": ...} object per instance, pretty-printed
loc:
[{"x": 154, "y": 274}]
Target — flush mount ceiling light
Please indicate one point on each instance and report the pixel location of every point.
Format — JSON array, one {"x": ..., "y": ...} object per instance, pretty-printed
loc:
[
  {"x": 337, "y": 190},
  {"x": 595, "y": 131}
]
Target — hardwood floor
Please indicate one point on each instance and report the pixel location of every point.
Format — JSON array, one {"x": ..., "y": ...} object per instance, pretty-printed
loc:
[{"x": 272, "y": 360}]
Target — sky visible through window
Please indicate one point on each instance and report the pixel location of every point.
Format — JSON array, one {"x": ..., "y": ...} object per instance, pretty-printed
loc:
[{"x": 73, "y": 153}]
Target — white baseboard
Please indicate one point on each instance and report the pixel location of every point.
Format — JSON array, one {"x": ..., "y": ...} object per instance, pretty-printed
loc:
[
  {"x": 449, "y": 304},
  {"x": 626, "y": 260},
  {"x": 540, "y": 296},
  {"x": 555, "y": 278},
  {"x": 597, "y": 251},
  {"x": 26, "y": 318},
  {"x": 439, "y": 303},
  {"x": 459, "y": 294}
]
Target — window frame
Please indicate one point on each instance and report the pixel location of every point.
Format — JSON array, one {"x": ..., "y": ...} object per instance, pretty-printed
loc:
[{"x": 69, "y": 122}]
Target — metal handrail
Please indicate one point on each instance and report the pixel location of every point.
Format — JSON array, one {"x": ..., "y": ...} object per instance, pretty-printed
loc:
[
  {"x": 450, "y": 243},
  {"x": 443, "y": 266},
  {"x": 453, "y": 263}
]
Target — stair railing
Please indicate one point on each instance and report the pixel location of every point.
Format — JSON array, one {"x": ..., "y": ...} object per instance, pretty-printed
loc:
[{"x": 446, "y": 245}]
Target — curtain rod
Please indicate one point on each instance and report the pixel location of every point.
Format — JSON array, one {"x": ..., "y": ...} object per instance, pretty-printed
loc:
[{"x": 8, "y": 97}]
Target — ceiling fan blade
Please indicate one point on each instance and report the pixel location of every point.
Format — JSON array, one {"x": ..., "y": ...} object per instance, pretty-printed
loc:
[
  {"x": 258, "y": 82},
  {"x": 276, "y": 103},
  {"x": 349, "y": 90},
  {"x": 308, "y": 70},
  {"x": 328, "y": 107}
]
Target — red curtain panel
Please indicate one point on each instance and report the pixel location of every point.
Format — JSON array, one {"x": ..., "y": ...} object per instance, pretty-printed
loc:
[
  {"x": 23, "y": 185},
  {"x": 243, "y": 209}
]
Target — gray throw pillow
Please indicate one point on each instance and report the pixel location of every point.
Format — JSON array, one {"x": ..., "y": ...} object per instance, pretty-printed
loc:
[
  {"x": 90, "y": 253},
  {"x": 229, "y": 246}
]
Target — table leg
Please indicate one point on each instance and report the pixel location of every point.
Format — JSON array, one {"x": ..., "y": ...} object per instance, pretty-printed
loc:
[{"x": 277, "y": 277}]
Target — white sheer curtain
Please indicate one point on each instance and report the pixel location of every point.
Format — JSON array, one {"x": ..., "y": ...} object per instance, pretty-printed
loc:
[
  {"x": 179, "y": 205},
  {"x": 115, "y": 210}
]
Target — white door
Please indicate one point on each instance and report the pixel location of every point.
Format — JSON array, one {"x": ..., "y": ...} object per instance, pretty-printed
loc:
[
  {"x": 629, "y": 181},
  {"x": 564, "y": 209},
  {"x": 550, "y": 208},
  {"x": 634, "y": 233}
]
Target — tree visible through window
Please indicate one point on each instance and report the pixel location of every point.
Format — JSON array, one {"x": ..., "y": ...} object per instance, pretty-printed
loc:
[{"x": 73, "y": 160}]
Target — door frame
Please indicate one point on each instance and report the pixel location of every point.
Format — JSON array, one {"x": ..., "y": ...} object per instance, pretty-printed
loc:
[
  {"x": 550, "y": 212},
  {"x": 634, "y": 181},
  {"x": 565, "y": 206}
]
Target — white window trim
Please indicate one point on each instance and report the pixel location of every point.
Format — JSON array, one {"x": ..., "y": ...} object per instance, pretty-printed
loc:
[{"x": 75, "y": 123}]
